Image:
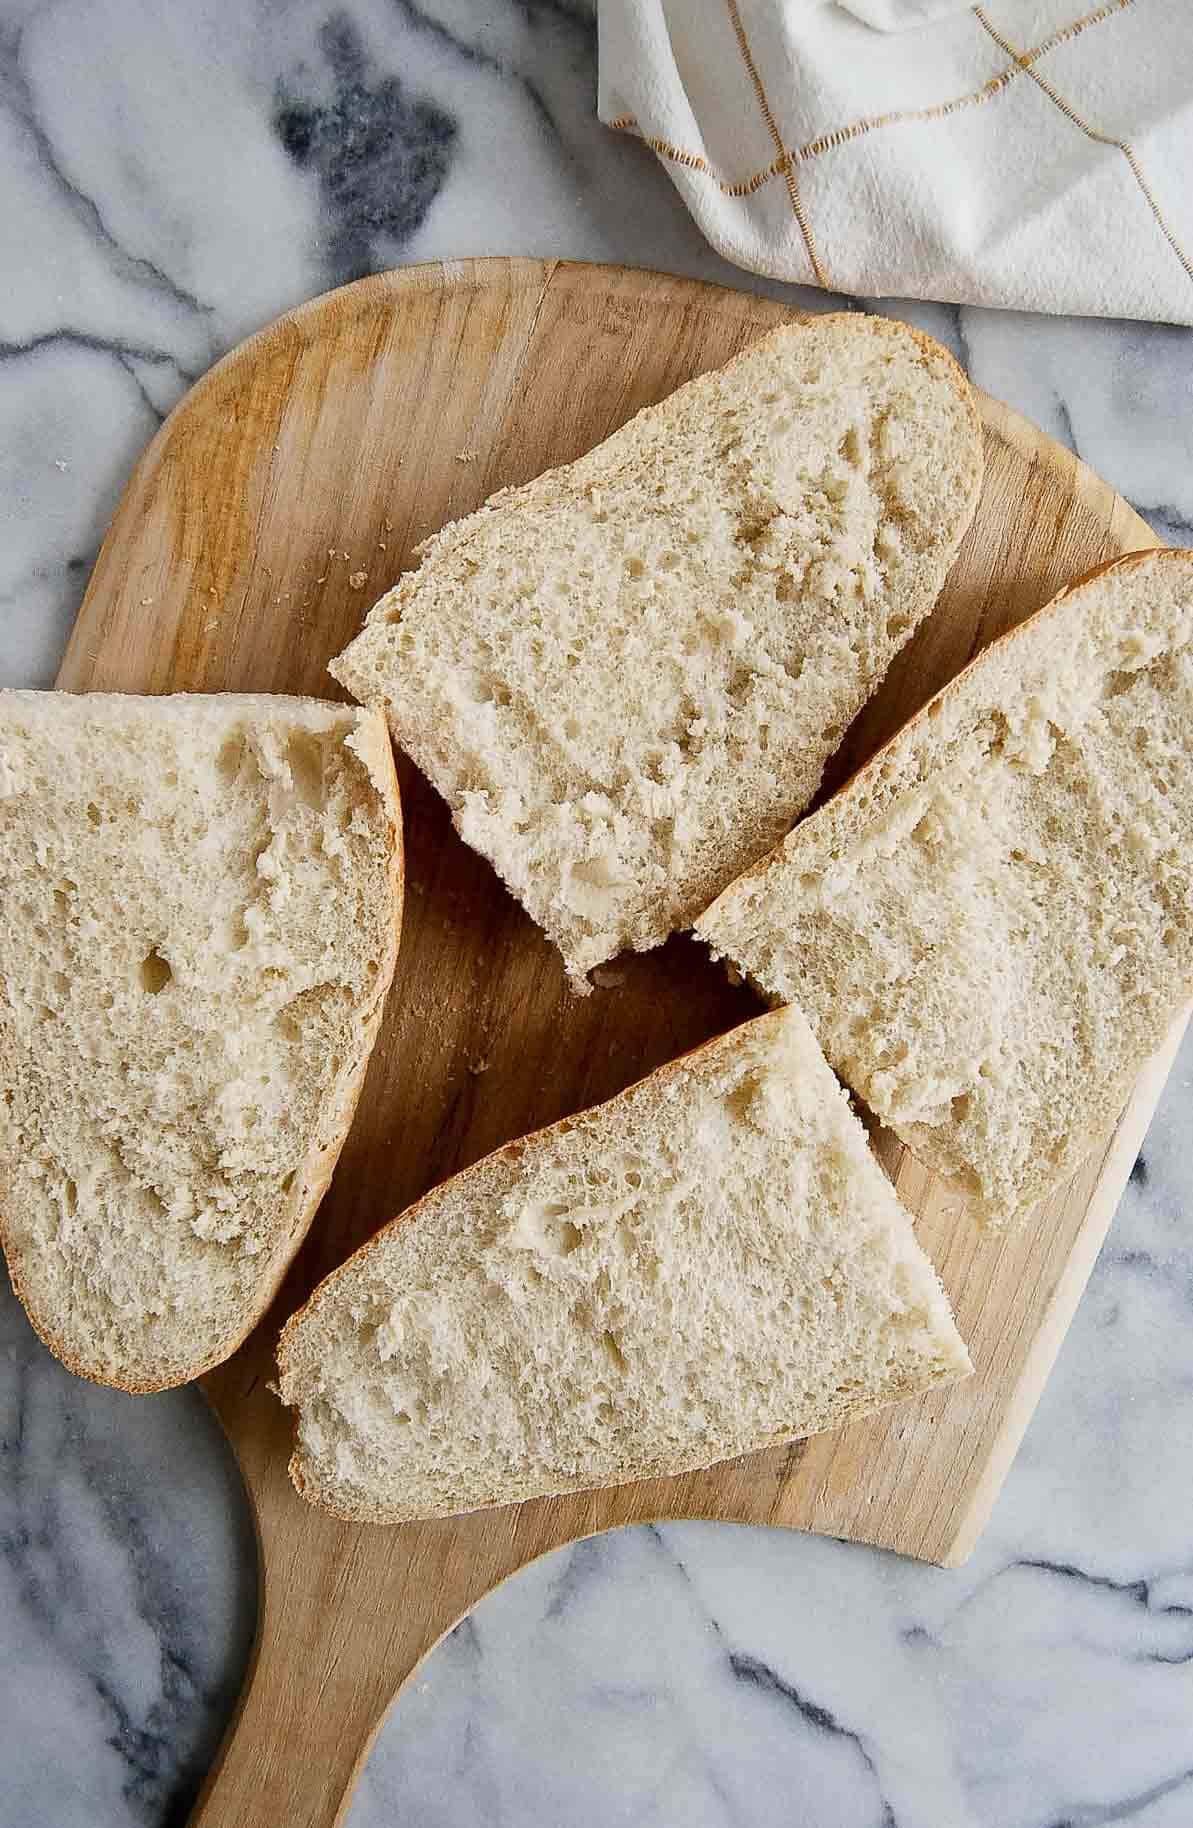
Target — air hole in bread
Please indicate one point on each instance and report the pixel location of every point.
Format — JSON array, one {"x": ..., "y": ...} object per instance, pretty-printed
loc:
[
  {"x": 568, "y": 1238},
  {"x": 155, "y": 972},
  {"x": 229, "y": 759},
  {"x": 304, "y": 754},
  {"x": 236, "y": 934},
  {"x": 614, "y": 1352},
  {"x": 754, "y": 522}
]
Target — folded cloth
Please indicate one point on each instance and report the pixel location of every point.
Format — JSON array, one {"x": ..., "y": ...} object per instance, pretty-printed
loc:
[{"x": 1021, "y": 152}]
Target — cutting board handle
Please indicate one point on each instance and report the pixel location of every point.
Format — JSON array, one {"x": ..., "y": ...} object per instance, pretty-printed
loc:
[
  {"x": 306, "y": 466},
  {"x": 336, "y": 1643},
  {"x": 300, "y": 1738},
  {"x": 347, "y": 1612}
]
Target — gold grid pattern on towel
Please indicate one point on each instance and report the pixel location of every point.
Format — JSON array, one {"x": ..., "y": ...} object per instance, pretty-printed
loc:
[
  {"x": 789, "y": 158},
  {"x": 784, "y": 161},
  {"x": 1103, "y": 139}
]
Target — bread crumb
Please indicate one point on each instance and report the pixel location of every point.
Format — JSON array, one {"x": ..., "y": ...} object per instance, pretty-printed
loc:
[
  {"x": 479, "y": 1065},
  {"x": 230, "y": 1101},
  {"x": 358, "y": 580},
  {"x": 608, "y": 977},
  {"x": 705, "y": 730},
  {"x": 1028, "y": 755},
  {"x": 548, "y": 1280}
]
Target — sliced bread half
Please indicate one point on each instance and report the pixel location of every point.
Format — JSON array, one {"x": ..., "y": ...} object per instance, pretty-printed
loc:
[
  {"x": 626, "y": 677},
  {"x": 991, "y": 924},
  {"x": 708, "y": 1264},
  {"x": 201, "y": 909}
]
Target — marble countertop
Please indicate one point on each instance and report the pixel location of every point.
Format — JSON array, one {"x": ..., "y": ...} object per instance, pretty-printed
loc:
[{"x": 172, "y": 177}]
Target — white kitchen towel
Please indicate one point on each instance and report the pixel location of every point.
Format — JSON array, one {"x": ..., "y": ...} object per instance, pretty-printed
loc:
[{"x": 1021, "y": 152}]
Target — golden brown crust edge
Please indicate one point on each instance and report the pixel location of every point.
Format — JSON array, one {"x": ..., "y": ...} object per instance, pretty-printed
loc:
[
  {"x": 666, "y": 1468},
  {"x": 455, "y": 533},
  {"x": 853, "y": 788},
  {"x": 409, "y": 1215},
  {"x": 513, "y": 1149},
  {"x": 1104, "y": 1110},
  {"x": 636, "y": 1474},
  {"x": 932, "y": 353},
  {"x": 320, "y": 1163}
]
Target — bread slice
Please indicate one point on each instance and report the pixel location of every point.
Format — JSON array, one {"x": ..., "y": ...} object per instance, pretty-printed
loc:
[
  {"x": 708, "y": 1264},
  {"x": 201, "y": 909},
  {"x": 626, "y": 677},
  {"x": 991, "y": 925}
]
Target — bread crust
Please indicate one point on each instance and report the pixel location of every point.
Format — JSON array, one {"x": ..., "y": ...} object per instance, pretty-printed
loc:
[
  {"x": 849, "y": 809},
  {"x": 629, "y": 1469},
  {"x": 315, "y": 1172},
  {"x": 634, "y": 1472},
  {"x": 539, "y": 870},
  {"x": 852, "y": 787}
]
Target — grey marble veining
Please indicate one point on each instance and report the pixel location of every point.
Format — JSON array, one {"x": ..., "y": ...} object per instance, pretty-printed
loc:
[
  {"x": 725, "y": 1677},
  {"x": 170, "y": 178},
  {"x": 128, "y": 1584}
]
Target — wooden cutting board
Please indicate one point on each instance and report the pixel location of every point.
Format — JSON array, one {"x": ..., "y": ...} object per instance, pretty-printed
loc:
[{"x": 285, "y": 494}]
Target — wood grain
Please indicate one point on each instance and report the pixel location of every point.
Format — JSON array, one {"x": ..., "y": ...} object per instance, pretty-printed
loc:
[{"x": 284, "y": 494}]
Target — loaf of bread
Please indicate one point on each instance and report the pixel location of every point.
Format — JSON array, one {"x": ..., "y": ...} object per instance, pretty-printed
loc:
[
  {"x": 625, "y": 678},
  {"x": 991, "y": 925},
  {"x": 201, "y": 909},
  {"x": 710, "y": 1263}
]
